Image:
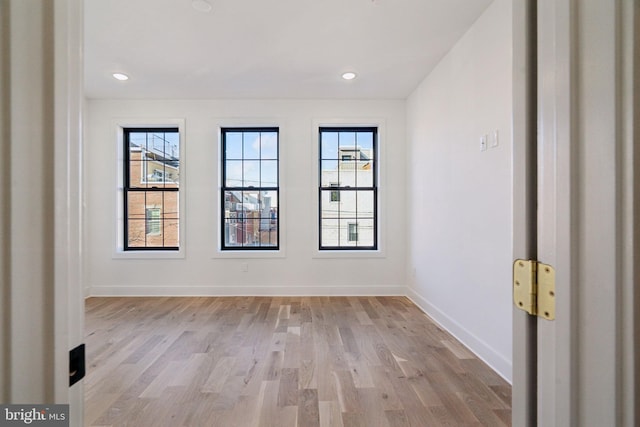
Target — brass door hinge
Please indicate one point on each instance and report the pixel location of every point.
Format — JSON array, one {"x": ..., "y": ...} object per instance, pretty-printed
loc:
[{"x": 534, "y": 288}]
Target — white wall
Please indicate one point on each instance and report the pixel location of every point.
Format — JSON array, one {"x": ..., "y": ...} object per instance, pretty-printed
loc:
[
  {"x": 459, "y": 198},
  {"x": 299, "y": 269}
]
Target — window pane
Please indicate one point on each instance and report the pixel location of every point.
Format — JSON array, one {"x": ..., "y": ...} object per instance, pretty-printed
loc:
[
  {"x": 364, "y": 140},
  {"x": 232, "y": 199},
  {"x": 233, "y": 217},
  {"x": 329, "y": 173},
  {"x": 138, "y": 140},
  {"x": 347, "y": 175},
  {"x": 329, "y": 230},
  {"x": 269, "y": 145},
  {"x": 251, "y": 173},
  {"x": 156, "y": 143},
  {"x": 330, "y": 210},
  {"x": 170, "y": 205},
  {"x": 269, "y": 173},
  {"x": 155, "y": 239},
  {"x": 172, "y": 174},
  {"x": 136, "y": 235},
  {"x": 269, "y": 238},
  {"x": 172, "y": 145},
  {"x": 153, "y": 199},
  {"x": 250, "y": 202},
  {"x": 345, "y": 225},
  {"x": 364, "y": 174},
  {"x": 268, "y": 226},
  {"x": 233, "y": 232},
  {"x": 153, "y": 221},
  {"x": 136, "y": 166},
  {"x": 154, "y": 173},
  {"x": 335, "y": 194},
  {"x": 135, "y": 205},
  {"x": 251, "y": 145},
  {"x": 347, "y": 139},
  {"x": 233, "y": 173},
  {"x": 348, "y": 204},
  {"x": 365, "y": 204},
  {"x": 171, "y": 232},
  {"x": 329, "y": 142},
  {"x": 269, "y": 205},
  {"x": 365, "y": 232},
  {"x": 352, "y": 232},
  {"x": 161, "y": 174},
  {"x": 233, "y": 145}
]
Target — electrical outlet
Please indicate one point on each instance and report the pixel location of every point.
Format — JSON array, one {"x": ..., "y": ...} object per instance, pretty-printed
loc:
[{"x": 244, "y": 267}]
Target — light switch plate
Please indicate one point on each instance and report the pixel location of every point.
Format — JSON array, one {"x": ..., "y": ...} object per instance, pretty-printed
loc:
[
  {"x": 495, "y": 139},
  {"x": 483, "y": 143}
]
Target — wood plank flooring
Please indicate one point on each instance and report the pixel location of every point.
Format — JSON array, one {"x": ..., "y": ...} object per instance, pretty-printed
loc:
[{"x": 281, "y": 362}]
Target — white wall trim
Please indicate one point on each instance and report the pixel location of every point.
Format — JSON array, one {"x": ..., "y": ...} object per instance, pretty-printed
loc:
[
  {"x": 119, "y": 124},
  {"x": 477, "y": 346},
  {"x": 381, "y": 161},
  {"x": 250, "y": 122},
  {"x": 275, "y": 291}
]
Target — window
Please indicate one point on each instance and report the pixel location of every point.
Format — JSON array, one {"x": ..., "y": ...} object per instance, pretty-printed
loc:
[
  {"x": 153, "y": 221},
  {"x": 348, "y": 190},
  {"x": 353, "y": 232},
  {"x": 335, "y": 195},
  {"x": 151, "y": 184},
  {"x": 250, "y": 189}
]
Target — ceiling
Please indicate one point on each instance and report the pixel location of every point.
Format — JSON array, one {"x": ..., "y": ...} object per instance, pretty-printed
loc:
[{"x": 268, "y": 48}]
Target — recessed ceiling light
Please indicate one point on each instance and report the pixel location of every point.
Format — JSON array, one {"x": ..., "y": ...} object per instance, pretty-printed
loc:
[
  {"x": 349, "y": 75},
  {"x": 120, "y": 76},
  {"x": 201, "y": 5}
]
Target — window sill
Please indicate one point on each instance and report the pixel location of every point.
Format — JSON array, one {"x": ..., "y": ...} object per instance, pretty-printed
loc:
[
  {"x": 155, "y": 254},
  {"x": 342, "y": 254},
  {"x": 249, "y": 254}
]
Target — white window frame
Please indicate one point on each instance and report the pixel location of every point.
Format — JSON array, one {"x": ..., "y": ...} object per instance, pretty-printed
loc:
[
  {"x": 216, "y": 193},
  {"x": 119, "y": 221},
  {"x": 381, "y": 162}
]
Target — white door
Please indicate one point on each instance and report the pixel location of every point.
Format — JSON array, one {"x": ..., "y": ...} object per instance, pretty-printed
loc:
[
  {"x": 68, "y": 118},
  {"x": 582, "y": 365}
]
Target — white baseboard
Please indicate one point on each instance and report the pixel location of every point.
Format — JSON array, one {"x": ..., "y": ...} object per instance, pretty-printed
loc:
[
  {"x": 103, "y": 291},
  {"x": 486, "y": 353}
]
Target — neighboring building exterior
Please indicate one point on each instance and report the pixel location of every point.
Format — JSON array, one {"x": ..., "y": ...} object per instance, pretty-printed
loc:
[
  {"x": 347, "y": 216},
  {"x": 153, "y": 212},
  {"x": 251, "y": 218}
]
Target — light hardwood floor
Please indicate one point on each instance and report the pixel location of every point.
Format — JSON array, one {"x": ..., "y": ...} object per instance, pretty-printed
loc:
[{"x": 281, "y": 362}]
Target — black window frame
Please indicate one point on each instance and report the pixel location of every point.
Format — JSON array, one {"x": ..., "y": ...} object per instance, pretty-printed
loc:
[
  {"x": 339, "y": 188},
  {"x": 127, "y": 188},
  {"x": 224, "y": 189}
]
